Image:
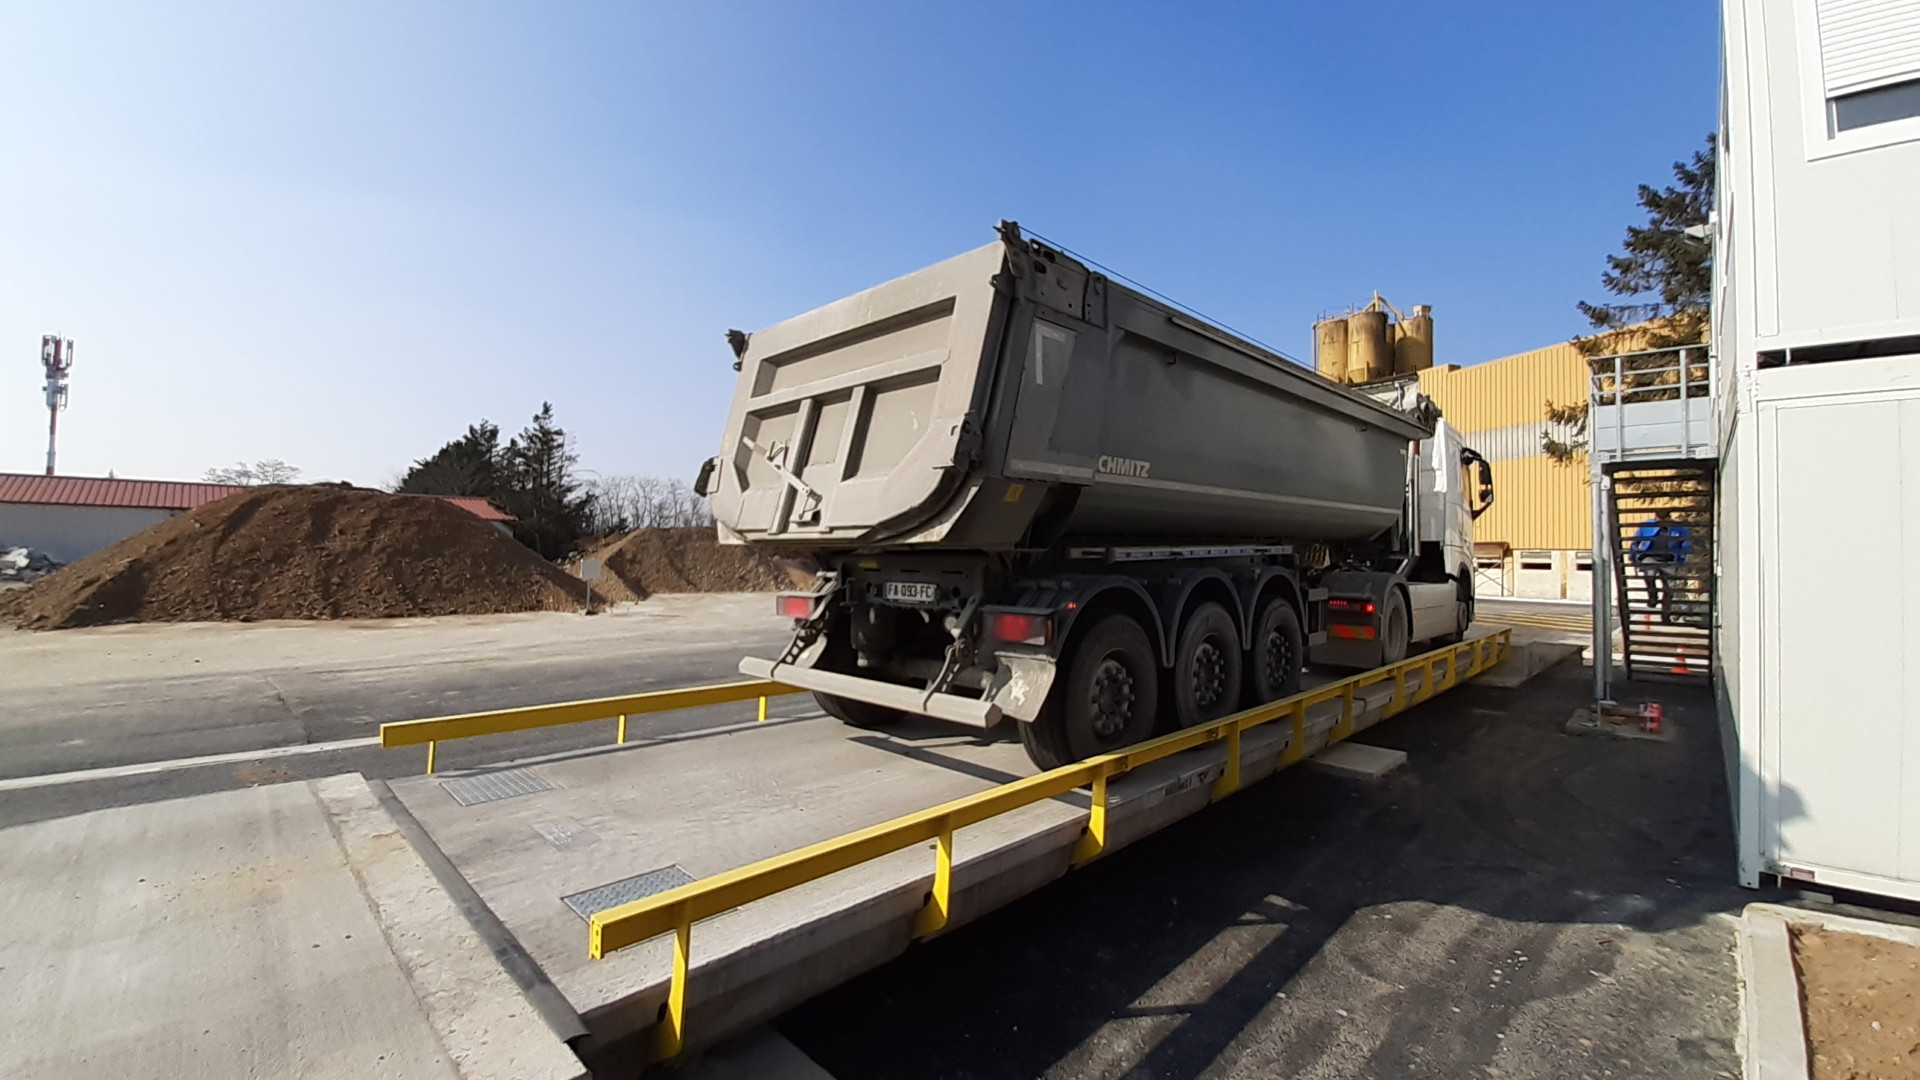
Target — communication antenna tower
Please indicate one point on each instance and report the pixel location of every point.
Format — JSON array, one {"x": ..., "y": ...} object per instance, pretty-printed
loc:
[{"x": 56, "y": 355}]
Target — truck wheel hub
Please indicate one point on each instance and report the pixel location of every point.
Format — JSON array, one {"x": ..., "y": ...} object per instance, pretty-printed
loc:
[
  {"x": 1111, "y": 698},
  {"x": 1279, "y": 657},
  {"x": 1209, "y": 674}
]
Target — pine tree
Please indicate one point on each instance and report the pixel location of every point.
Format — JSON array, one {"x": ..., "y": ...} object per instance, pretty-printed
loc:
[
  {"x": 1664, "y": 277},
  {"x": 538, "y": 487},
  {"x": 465, "y": 466}
]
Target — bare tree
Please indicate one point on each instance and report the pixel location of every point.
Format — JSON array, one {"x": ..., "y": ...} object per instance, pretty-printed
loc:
[
  {"x": 646, "y": 502},
  {"x": 268, "y": 471}
]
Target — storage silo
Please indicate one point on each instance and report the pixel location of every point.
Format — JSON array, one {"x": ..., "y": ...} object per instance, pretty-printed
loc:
[
  {"x": 1369, "y": 357},
  {"x": 1330, "y": 347},
  {"x": 1413, "y": 345}
]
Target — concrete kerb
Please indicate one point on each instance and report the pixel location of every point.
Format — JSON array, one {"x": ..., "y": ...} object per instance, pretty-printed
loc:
[
  {"x": 486, "y": 1025},
  {"x": 1773, "y": 1030},
  {"x": 809, "y": 939}
]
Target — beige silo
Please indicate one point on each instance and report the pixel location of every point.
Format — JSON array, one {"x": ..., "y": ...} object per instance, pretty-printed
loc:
[
  {"x": 1369, "y": 357},
  {"x": 1330, "y": 348},
  {"x": 1413, "y": 346}
]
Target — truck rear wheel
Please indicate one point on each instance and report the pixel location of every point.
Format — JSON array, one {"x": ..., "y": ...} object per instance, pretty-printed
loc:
[
  {"x": 1395, "y": 628},
  {"x": 1107, "y": 700},
  {"x": 1206, "y": 667},
  {"x": 1277, "y": 654},
  {"x": 860, "y": 714}
]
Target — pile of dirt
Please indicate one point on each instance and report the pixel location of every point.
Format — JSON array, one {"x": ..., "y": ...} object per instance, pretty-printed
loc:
[
  {"x": 648, "y": 561},
  {"x": 317, "y": 552}
]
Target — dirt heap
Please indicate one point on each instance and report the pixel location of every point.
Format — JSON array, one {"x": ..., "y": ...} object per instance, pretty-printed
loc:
[
  {"x": 317, "y": 552},
  {"x": 648, "y": 561}
]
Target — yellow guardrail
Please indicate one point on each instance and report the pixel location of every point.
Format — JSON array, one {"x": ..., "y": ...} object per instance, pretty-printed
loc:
[
  {"x": 498, "y": 721},
  {"x": 678, "y": 909}
]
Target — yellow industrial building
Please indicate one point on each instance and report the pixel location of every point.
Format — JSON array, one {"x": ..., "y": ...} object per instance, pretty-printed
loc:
[{"x": 1536, "y": 539}]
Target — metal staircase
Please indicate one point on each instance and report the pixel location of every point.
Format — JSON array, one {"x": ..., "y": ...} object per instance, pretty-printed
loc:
[
  {"x": 1652, "y": 447},
  {"x": 1665, "y": 609}
]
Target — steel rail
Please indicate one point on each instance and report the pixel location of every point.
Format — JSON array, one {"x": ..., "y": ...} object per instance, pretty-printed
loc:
[
  {"x": 499, "y": 721},
  {"x": 676, "y": 910}
]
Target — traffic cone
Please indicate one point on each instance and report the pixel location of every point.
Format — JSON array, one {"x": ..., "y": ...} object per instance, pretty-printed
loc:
[{"x": 1680, "y": 665}]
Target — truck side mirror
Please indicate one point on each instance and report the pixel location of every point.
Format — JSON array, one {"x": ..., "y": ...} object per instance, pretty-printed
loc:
[{"x": 705, "y": 477}]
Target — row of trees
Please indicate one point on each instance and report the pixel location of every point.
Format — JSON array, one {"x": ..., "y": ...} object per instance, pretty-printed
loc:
[
  {"x": 535, "y": 477},
  {"x": 621, "y": 503},
  {"x": 270, "y": 471}
]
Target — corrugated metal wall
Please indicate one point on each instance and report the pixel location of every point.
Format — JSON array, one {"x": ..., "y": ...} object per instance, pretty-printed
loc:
[
  {"x": 1514, "y": 390},
  {"x": 1539, "y": 505}
]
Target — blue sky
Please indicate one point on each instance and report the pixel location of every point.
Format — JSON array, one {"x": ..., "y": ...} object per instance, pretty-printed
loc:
[{"x": 339, "y": 233}]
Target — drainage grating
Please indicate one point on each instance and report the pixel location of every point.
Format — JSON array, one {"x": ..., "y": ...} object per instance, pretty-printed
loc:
[
  {"x": 615, "y": 893},
  {"x": 494, "y": 786}
]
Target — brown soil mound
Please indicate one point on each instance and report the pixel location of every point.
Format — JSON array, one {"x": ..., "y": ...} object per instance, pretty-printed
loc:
[
  {"x": 298, "y": 553},
  {"x": 648, "y": 561}
]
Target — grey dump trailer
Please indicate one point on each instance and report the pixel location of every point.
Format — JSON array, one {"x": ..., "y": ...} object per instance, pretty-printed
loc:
[{"x": 1036, "y": 494}]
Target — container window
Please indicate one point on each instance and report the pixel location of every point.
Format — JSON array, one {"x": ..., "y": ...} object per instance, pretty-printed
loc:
[
  {"x": 1583, "y": 561},
  {"x": 1536, "y": 560}
]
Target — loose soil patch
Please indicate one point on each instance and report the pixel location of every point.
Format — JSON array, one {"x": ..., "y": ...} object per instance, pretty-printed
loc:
[
  {"x": 1861, "y": 999},
  {"x": 648, "y": 561},
  {"x": 316, "y": 552}
]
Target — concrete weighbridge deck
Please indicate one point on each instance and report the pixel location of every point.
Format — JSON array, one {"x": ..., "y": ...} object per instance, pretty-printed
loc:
[{"x": 528, "y": 837}]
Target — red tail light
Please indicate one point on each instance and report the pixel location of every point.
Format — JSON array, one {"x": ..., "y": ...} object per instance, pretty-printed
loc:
[
  {"x": 1019, "y": 628},
  {"x": 1364, "y": 607},
  {"x": 796, "y": 605}
]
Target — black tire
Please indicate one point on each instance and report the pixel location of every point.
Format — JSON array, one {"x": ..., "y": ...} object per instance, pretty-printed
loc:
[
  {"x": 1395, "y": 628},
  {"x": 1277, "y": 654},
  {"x": 1206, "y": 667},
  {"x": 860, "y": 714},
  {"x": 1106, "y": 698}
]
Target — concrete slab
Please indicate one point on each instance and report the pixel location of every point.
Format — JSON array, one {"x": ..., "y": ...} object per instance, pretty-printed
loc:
[
  {"x": 760, "y": 1054},
  {"x": 1357, "y": 761},
  {"x": 1527, "y": 660},
  {"x": 710, "y": 802},
  {"x": 284, "y": 930}
]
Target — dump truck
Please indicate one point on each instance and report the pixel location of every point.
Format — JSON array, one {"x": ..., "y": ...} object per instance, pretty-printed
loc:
[{"x": 1037, "y": 494}]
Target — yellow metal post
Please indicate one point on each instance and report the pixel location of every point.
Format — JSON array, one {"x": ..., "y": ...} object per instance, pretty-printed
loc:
[
  {"x": 1229, "y": 781},
  {"x": 430, "y": 749},
  {"x": 1095, "y": 841},
  {"x": 622, "y": 737},
  {"x": 1345, "y": 727},
  {"x": 1399, "y": 690},
  {"x": 1297, "y": 745},
  {"x": 763, "y": 711},
  {"x": 671, "y": 1035},
  {"x": 933, "y": 916}
]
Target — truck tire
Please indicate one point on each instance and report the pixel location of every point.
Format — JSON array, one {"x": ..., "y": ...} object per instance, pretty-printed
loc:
[
  {"x": 1276, "y": 655},
  {"x": 1395, "y": 628},
  {"x": 860, "y": 714},
  {"x": 1206, "y": 667},
  {"x": 1107, "y": 700},
  {"x": 1462, "y": 610}
]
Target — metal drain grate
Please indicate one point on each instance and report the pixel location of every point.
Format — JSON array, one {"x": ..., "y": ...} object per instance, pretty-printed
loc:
[
  {"x": 615, "y": 893},
  {"x": 494, "y": 786}
]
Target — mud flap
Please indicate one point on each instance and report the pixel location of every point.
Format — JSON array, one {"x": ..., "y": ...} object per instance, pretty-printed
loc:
[{"x": 1020, "y": 685}]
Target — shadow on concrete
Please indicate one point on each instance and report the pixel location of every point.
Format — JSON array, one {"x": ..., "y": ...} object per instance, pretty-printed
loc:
[{"x": 1315, "y": 925}]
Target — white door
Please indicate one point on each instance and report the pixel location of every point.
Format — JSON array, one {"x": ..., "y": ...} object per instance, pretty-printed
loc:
[{"x": 1840, "y": 558}]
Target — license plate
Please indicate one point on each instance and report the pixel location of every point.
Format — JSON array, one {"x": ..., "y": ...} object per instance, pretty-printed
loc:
[{"x": 913, "y": 592}]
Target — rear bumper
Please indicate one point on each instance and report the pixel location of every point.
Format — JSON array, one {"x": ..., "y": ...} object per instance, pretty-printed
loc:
[{"x": 950, "y": 707}]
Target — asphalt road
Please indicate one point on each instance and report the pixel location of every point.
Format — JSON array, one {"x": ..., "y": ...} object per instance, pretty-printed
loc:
[
  {"x": 1514, "y": 902},
  {"x": 126, "y": 699}
]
